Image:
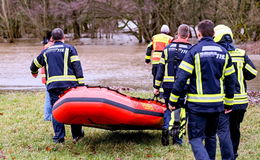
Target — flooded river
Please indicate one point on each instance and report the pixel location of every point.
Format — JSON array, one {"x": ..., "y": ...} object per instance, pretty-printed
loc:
[{"x": 106, "y": 65}]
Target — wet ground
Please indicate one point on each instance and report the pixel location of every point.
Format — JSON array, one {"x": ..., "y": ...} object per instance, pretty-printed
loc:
[{"x": 107, "y": 65}]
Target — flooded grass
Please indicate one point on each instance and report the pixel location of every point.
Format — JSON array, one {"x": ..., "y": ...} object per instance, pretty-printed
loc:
[{"x": 24, "y": 135}]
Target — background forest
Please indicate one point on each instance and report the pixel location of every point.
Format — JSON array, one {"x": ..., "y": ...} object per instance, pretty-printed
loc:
[{"x": 141, "y": 18}]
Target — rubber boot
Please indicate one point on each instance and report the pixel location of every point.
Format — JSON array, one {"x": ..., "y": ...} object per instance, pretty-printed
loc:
[
  {"x": 175, "y": 133},
  {"x": 165, "y": 137}
]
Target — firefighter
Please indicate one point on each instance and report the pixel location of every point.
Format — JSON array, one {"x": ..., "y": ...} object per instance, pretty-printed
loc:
[
  {"x": 210, "y": 69},
  {"x": 47, "y": 42},
  {"x": 223, "y": 131},
  {"x": 63, "y": 71},
  {"x": 166, "y": 75},
  {"x": 245, "y": 70},
  {"x": 159, "y": 41}
]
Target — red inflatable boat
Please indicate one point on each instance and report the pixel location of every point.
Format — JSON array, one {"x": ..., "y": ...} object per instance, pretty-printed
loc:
[{"x": 108, "y": 109}]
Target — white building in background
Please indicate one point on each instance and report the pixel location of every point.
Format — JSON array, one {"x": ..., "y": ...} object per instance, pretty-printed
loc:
[{"x": 127, "y": 26}]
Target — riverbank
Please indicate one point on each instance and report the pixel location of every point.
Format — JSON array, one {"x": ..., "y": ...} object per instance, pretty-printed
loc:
[{"x": 24, "y": 135}]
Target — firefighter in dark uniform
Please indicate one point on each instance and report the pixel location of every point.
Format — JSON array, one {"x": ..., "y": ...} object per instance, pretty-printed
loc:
[
  {"x": 63, "y": 71},
  {"x": 211, "y": 73},
  {"x": 223, "y": 131},
  {"x": 174, "y": 122},
  {"x": 245, "y": 70},
  {"x": 159, "y": 41}
]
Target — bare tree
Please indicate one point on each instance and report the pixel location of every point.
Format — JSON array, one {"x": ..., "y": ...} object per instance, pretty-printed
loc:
[
  {"x": 36, "y": 16},
  {"x": 97, "y": 18},
  {"x": 70, "y": 13},
  {"x": 5, "y": 16}
]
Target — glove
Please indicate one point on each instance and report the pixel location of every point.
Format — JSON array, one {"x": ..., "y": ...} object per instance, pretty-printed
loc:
[{"x": 147, "y": 61}]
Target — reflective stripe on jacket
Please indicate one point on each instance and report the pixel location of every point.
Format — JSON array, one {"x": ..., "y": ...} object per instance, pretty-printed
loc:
[
  {"x": 245, "y": 70},
  {"x": 62, "y": 66},
  {"x": 171, "y": 58},
  {"x": 207, "y": 64},
  {"x": 159, "y": 41}
]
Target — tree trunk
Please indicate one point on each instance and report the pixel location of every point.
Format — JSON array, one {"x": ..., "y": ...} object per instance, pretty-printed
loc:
[
  {"x": 76, "y": 29},
  {"x": 5, "y": 17}
]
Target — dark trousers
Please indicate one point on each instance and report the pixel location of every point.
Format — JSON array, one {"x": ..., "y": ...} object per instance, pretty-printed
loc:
[
  {"x": 59, "y": 128},
  {"x": 201, "y": 125},
  {"x": 154, "y": 72},
  {"x": 223, "y": 133},
  {"x": 236, "y": 117}
]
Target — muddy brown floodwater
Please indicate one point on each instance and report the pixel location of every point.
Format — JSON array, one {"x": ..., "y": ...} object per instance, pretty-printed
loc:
[{"x": 106, "y": 65}]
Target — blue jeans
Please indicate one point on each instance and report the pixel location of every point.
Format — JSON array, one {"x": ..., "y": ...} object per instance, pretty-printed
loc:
[
  {"x": 201, "y": 125},
  {"x": 47, "y": 107},
  {"x": 225, "y": 142}
]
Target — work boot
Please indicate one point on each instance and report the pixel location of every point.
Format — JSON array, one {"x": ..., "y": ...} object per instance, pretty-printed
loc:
[
  {"x": 60, "y": 140},
  {"x": 75, "y": 140},
  {"x": 235, "y": 156},
  {"x": 175, "y": 134},
  {"x": 165, "y": 137}
]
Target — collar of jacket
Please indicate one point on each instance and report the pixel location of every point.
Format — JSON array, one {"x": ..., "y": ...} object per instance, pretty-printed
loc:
[
  {"x": 227, "y": 45},
  {"x": 206, "y": 39},
  {"x": 180, "y": 40},
  {"x": 58, "y": 42}
]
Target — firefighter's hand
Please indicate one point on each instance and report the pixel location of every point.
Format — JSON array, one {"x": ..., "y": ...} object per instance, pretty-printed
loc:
[
  {"x": 228, "y": 108},
  {"x": 228, "y": 111},
  {"x": 147, "y": 61},
  {"x": 171, "y": 108},
  {"x": 156, "y": 91},
  {"x": 35, "y": 75}
]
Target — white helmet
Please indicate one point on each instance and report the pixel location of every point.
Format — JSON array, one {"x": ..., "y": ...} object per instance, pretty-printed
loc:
[
  {"x": 220, "y": 31},
  {"x": 165, "y": 29}
]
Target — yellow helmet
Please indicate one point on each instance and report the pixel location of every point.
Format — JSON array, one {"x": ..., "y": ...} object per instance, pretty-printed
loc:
[{"x": 221, "y": 30}]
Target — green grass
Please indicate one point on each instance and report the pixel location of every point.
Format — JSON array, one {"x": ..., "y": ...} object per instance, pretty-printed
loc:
[{"x": 24, "y": 135}]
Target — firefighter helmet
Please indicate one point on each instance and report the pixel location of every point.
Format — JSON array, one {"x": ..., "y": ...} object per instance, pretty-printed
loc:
[
  {"x": 165, "y": 29},
  {"x": 220, "y": 31}
]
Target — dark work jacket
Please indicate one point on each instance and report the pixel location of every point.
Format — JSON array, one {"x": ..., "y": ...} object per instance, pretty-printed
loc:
[
  {"x": 245, "y": 70},
  {"x": 62, "y": 66},
  {"x": 212, "y": 75},
  {"x": 171, "y": 58}
]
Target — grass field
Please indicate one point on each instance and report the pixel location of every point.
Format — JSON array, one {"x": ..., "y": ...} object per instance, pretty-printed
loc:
[{"x": 24, "y": 135}]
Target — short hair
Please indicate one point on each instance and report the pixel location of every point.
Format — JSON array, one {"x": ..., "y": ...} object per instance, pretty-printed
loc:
[
  {"x": 57, "y": 34},
  {"x": 183, "y": 31},
  {"x": 206, "y": 28}
]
